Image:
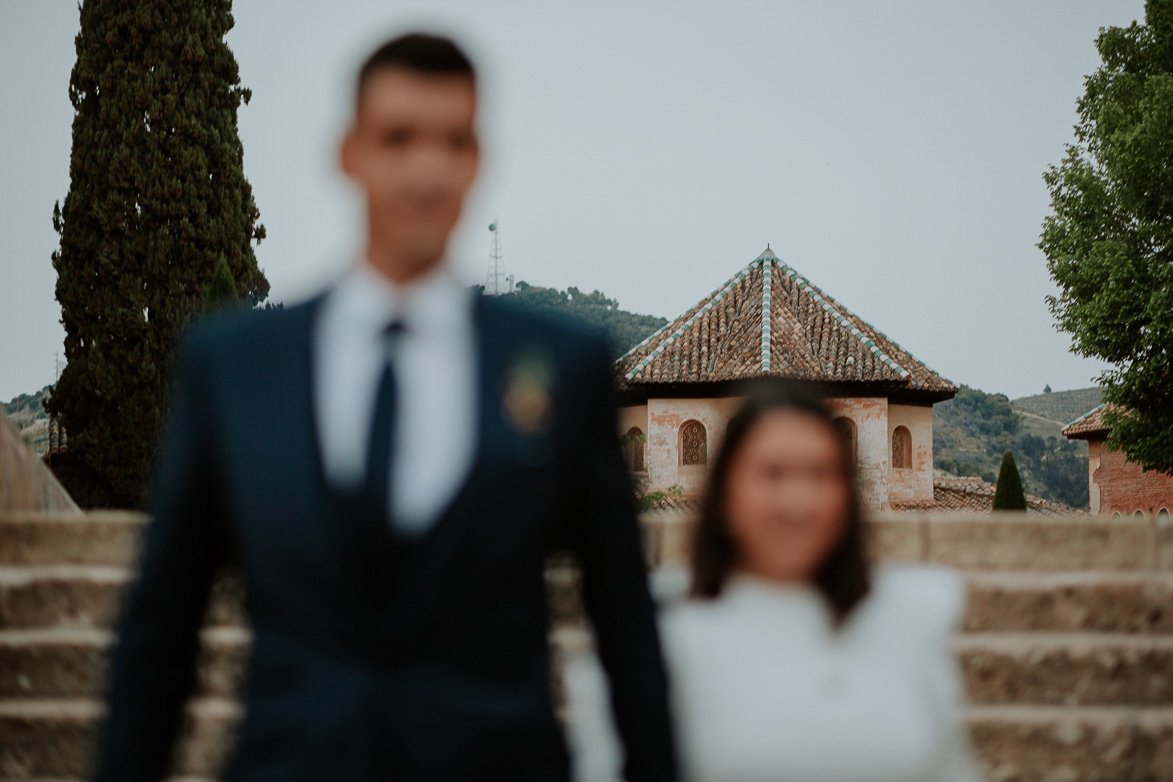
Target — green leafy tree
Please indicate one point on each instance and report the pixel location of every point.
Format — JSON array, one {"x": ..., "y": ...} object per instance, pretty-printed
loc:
[
  {"x": 1109, "y": 243},
  {"x": 1047, "y": 388},
  {"x": 1008, "y": 495},
  {"x": 157, "y": 197},
  {"x": 626, "y": 329}
]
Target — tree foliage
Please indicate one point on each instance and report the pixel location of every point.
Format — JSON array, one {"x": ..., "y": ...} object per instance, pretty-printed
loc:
[
  {"x": 1109, "y": 241},
  {"x": 972, "y": 432},
  {"x": 157, "y": 197},
  {"x": 626, "y": 329},
  {"x": 1008, "y": 495},
  {"x": 222, "y": 289}
]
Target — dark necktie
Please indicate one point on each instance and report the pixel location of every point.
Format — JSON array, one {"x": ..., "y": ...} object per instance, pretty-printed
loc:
[{"x": 377, "y": 487}]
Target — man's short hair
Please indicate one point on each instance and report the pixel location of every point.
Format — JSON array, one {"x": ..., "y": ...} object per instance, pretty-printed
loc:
[{"x": 429, "y": 55}]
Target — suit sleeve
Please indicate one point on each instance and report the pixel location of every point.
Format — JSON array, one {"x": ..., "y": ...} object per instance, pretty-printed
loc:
[
  {"x": 152, "y": 668},
  {"x": 605, "y": 536}
]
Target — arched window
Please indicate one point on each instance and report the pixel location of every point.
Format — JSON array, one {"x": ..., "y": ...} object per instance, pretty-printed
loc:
[
  {"x": 846, "y": 429},
  {"x": 901, "y": 448},
  {"x": 694, "y": 444},
  {"x": 1116, "y": 515},
  {"x": 1138, "y": 515},
  {"x": 633, "y": 449},
  {"x": 1163, "y": 516}
]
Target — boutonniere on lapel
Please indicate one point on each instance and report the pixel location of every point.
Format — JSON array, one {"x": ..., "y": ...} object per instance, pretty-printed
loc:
[{"x": 528, "y": 402}]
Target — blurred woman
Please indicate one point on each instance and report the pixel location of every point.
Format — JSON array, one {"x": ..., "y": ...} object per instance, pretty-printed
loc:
[{"x": 791, "y": 660}]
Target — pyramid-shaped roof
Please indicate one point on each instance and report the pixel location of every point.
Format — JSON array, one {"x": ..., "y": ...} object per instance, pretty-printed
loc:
[{"x": 770, "y": 321}]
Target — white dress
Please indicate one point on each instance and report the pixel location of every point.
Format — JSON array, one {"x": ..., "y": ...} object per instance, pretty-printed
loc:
[{"x": 765, "y": 690}]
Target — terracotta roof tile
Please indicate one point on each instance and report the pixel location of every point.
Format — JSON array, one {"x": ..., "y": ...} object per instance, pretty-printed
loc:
[
  {"x": 770, "y": 321},
  {"x": 1091, "y": 422},
  {"x": 974, "y": 495}
]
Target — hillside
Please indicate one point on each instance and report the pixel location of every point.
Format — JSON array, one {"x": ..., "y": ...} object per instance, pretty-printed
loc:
[
  {"x": 626, "y": 329},
  {"x": 26, "y": 408},
  {"x": 972, "y": 431},
  {"x": 1062, "y": 407}
]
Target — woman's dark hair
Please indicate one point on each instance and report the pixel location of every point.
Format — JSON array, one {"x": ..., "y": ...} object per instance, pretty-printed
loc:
[{"x": 844, "y": 577}]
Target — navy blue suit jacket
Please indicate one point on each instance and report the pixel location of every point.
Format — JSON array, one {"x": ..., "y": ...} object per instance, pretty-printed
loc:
[{"x": 375, "y": 659}]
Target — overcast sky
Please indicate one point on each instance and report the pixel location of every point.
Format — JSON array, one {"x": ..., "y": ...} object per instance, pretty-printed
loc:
[{"x": 891, "y": 152}]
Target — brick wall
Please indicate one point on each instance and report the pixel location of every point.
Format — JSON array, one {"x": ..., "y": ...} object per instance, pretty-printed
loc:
[{"x": 1118, "y": 485}]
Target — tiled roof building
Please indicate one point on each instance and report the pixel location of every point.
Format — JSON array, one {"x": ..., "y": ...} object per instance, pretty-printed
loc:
[
  {"x": 680, "y": 386},
  {"x": 770, "y": 321},
  {"x": 1116, "y": 486},
  {"x": 974, "y": 495}
]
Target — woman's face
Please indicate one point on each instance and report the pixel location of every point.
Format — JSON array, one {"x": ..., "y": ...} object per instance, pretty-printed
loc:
[{"x": 787, "y": 496}]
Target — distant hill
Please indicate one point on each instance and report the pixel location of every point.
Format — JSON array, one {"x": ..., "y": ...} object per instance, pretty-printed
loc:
[
  {"x": 27, "y": 408},
  {"x": 626, "y": 329},
  {"x": 1062, "y": 407},
  {"x": 972, "y": 431}
]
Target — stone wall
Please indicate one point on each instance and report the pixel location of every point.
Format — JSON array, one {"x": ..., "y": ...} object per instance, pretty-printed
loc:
[
  {"x": 1066, "y": 650},
  {"x": 872, "y": 448},
  {"x": 872, "y": 417},
  {"x": 915, "y": 482},
  {"x": 665, "y": 417},
  {"x": 25, "y": 482}
]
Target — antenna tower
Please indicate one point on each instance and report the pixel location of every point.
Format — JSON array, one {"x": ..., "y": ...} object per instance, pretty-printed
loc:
[{"x": 496, "y": 281}]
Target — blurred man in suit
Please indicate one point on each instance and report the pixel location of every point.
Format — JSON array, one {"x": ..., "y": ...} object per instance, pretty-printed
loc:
[{"x": 390, "y": 464}]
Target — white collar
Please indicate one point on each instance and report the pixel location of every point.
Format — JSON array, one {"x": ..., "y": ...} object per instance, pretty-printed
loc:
[{"x": 367, "y": 300}]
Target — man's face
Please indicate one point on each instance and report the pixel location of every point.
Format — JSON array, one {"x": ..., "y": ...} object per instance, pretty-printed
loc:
[{"x": 413, "y": 150}]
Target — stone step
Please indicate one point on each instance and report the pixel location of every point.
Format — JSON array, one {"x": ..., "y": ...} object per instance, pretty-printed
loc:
[
  {"x": 57, "y": 738},
  {"x": 97, "y": 538},
  {"x": 88, "y": 596},
  {"x": 1106, "y": 601},
  {"x": 999, "y": 668},
  {"x": 1033, "y": 743},
  {"x": 1087, "y": 669},
  {"x": 72, "y": 662},
  {"x": 970, "y": 542},
  {"x": 45, "y": 596},
  {"x": 1003, "y": 541}
]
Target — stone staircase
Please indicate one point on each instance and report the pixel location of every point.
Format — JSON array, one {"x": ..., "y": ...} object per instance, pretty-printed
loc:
[{"x": 1067, "y": 648}]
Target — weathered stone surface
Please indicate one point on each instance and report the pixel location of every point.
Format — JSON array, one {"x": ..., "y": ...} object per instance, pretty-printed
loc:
[
  {"x": 69, "y": 596},
  {"x": 1037, "y": 744},
  {"x": 90, "y": 596},
  {"x": 57, "y": 739},
  {"x": 896, "y": 539},
  {"x": 1111, "y": 602},
  {"x": 1164, "y": 534},
  {"x": 97, "y": 538},
  {"x": 1067, "y": 669},
  {"x": 1016, "y": 542},
  {"x": 667, "y": 538},
  {"x": 26, "y": 484},
  {"x": 72, "y": 663},
  {"x": 1067, "y": 647},
  {"x": 1155, "y": 730}
]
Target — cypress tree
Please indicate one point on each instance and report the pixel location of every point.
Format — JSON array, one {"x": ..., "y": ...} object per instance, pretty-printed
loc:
[
  {"x": 157, "y": 197},
  {"x": 222, "y": 288},
  {"x": 1008, "y": 495}
]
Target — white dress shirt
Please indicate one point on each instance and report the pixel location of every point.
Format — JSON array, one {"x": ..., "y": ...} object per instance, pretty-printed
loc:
[
  {"x": 764, "y": 689},
  {"x": 436, "y": 373}
]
